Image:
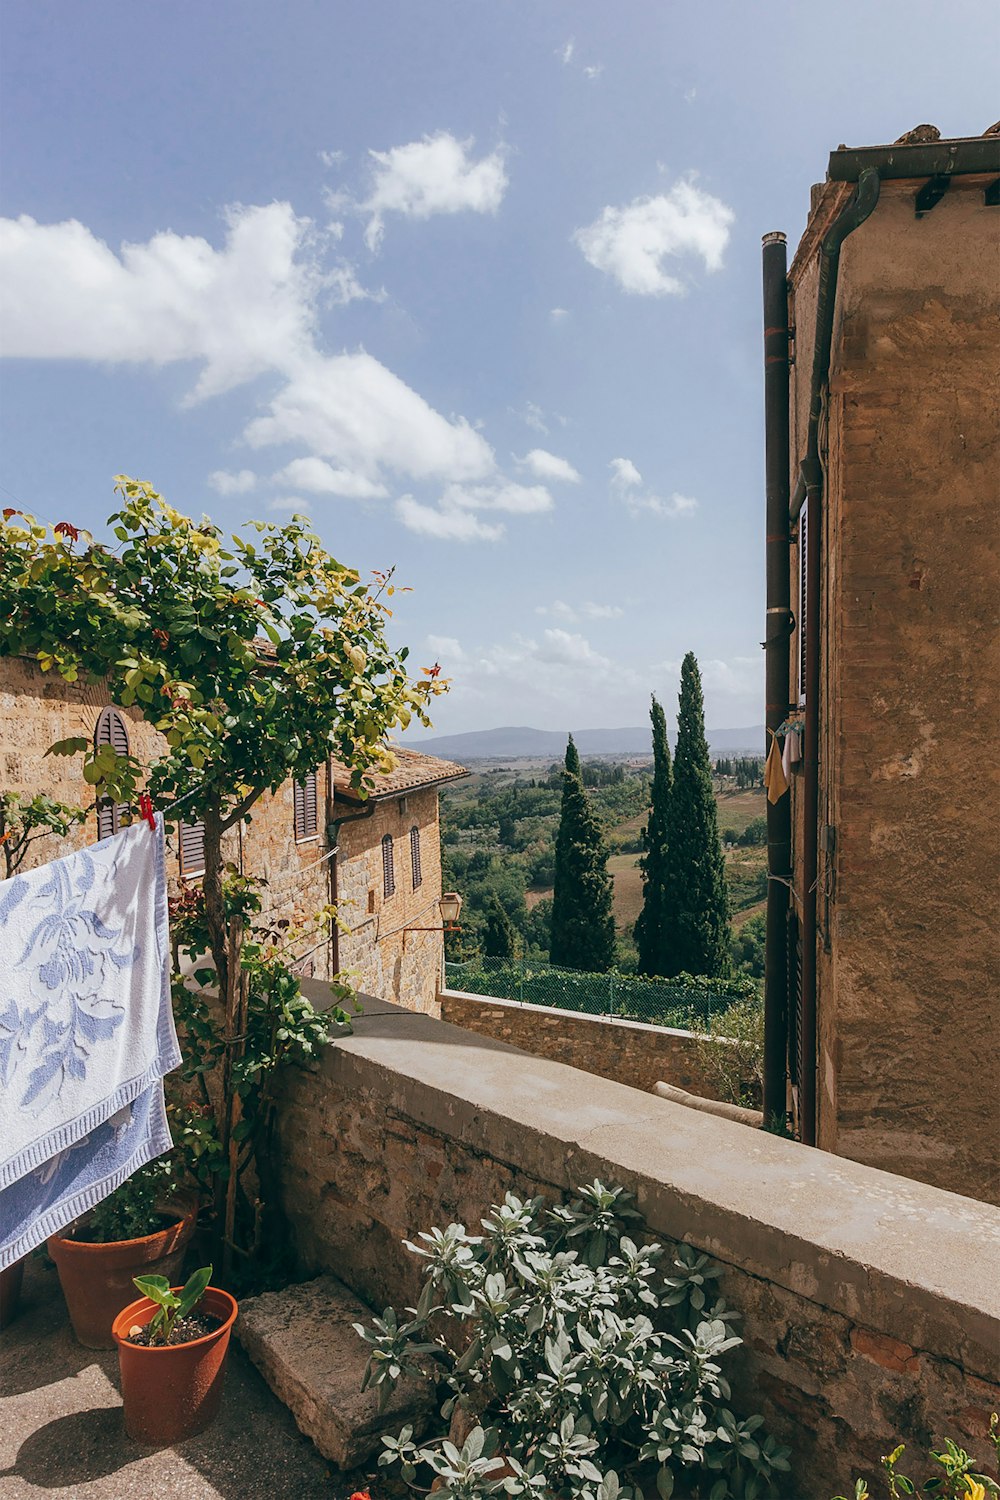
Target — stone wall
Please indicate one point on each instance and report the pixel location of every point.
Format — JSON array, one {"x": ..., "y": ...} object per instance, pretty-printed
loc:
[
  {"x": 908, "y": 1006},
  {"x": 870, "y": 1303},
  {"x": 381, "y": 956},
  {"x": 624, "y": 1051},
  {"x": 37, "y": 708}
]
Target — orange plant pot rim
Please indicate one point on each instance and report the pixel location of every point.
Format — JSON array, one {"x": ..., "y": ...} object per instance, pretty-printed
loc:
[
  {"x": 142, "y": 1312},
  {"x": 68, "y": 1245}
]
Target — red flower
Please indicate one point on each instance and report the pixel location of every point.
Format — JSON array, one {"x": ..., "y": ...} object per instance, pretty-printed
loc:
[
  {"x": 434, "y": 671},
  {"x": 66, "y": 528},
  {"x": 10, "y": 511},
  {"x": 161, "y": 637},
  {"x": 361, "y": 1495}
]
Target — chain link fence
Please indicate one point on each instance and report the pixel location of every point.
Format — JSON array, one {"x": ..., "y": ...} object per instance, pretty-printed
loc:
[{"x": 689, "y": 1004}]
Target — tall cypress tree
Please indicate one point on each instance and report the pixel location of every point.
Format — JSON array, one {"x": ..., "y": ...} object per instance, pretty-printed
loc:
[
  {"x": 583, "y": 926},
  {"x": 696, "y": 918},
  {"x": 649, "y": 929},
  {"x": 499, "y": 934}
]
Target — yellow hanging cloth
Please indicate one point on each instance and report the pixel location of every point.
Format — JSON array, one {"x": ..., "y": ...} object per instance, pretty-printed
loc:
[{"x": 774, "y": 772}]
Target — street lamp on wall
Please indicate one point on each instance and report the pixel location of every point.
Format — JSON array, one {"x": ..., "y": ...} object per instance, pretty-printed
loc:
[{"x": 450, "y": 907}]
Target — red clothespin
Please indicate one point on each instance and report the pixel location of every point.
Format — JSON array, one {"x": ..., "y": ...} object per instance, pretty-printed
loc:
[{"x": 146, "y": 809}]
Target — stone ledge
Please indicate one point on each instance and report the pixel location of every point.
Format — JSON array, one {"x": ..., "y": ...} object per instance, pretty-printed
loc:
[{"x": 302, "y": 1341}]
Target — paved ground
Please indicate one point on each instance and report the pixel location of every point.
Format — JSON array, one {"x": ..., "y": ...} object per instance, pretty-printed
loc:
[{"x": 61, "y": 1429}]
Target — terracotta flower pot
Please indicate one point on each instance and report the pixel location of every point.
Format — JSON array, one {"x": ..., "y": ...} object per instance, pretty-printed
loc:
[
  {"x": 97, "y": 1279},
  {"x": 172, "y": 1392}
]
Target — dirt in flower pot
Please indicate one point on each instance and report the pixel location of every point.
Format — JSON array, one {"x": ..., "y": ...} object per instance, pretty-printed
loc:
[
  {"x": 85, "y": 1233},
  {"x": 184, "y": 1331}
]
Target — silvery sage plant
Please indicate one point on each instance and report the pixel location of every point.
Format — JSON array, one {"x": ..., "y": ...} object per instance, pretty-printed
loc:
[{"x": 573, "y": 1363}]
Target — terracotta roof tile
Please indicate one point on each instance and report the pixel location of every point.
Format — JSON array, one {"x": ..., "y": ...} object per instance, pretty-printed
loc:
[{"x": 412, "y": 770}]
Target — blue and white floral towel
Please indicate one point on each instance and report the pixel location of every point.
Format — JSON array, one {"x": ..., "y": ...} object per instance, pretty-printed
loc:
[{"x": 86, "y": 1026}]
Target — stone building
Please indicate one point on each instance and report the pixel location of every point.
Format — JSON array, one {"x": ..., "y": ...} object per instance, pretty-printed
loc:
[
  {"x": 385, "y": 877},
  {"x": 894, "y": 660}
]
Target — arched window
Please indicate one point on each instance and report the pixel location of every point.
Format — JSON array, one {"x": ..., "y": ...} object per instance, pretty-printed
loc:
[
  {"x": 415, "y": 869},
  {"x": 111, "y": 730},
  {"x": 388, "y": 867}
]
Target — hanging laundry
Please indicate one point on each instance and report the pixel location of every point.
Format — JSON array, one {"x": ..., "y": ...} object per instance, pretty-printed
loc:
[
  {"x": 86, "y": 1031},
  {"x": 792, "y": 752},
  {"x": 774, "y": 776}
]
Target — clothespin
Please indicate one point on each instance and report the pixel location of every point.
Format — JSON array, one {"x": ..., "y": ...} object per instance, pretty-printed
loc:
[{"x": 146, "y": 809}]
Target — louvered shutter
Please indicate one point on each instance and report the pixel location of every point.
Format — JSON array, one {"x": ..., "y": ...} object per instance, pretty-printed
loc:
[
  {"x": 803, "y": 598},
  {"x": 415, "y": 857},
  {"x": 192, "y": 849},
  {"x": 306, "y": 822},
  {"x": 111, "y": 730},
  {"x": 388, "y": 868}
]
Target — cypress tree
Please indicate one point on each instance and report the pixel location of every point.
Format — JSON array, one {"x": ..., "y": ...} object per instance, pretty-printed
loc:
[
  {"x": 583, "y": 926},
  {"x": 649, "y": 929},
  {"x": 499, "y": 935},
  {"x": 696, "y": 919}
]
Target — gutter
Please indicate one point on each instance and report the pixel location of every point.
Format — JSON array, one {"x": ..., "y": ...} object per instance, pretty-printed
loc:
[
  {"x": 810, "y": 485},
  {"x": 980, "y": 154}
]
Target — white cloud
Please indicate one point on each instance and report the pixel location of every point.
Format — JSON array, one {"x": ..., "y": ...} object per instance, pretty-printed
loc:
[
  {"x": 594, "y": 70},
  {"x": 352, "y": 410},
  {"x": 565, "y": 52},
  {"x": 332, "y": 158},
  {"x": 634, "y": 244},
  {"x": 444, "y": 525},
  {"x": 321, "y": 478},
  {"x": 519, "y": 499},
  {"x": 232, "y": 484},
  {"x": 626, "y": 480},
  {"x": 588, "y": 611},
  {"x": 293, "y": 503},
  {"x": 549, "y": 466},
  {"x": 240, "y": 310},
  {"x": 436, "y": 175},
  {"x": 445, "y": 647},
  {"x": 624, "y": 474},
  {"x": 673, "y": 506},
  {"x": 558, "y": 314},
  {"x": 532, "y": 416}
]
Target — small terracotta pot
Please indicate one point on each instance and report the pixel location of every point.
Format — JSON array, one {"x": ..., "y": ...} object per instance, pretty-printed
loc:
[
  {"x": 172, "y": 1392},
  {"x": 10, "y": 1292},
  {"x": 97, "y": 1279}
]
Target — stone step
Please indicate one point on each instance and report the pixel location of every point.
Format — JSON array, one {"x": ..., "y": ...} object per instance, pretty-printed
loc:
[{"x": 302, "y": 1341}]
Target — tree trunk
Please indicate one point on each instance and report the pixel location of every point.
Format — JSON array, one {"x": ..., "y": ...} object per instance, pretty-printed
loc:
[{"x": 215, "y": 916}]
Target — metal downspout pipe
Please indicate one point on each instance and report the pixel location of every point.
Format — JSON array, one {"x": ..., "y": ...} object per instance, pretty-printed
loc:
[
  {"x": 862, "y": 203},
  {"x": 776, "y": 665}
]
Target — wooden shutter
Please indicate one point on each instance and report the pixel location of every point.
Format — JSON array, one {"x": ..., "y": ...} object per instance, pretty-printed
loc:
[
  {"x": 306, "y": 823},
  {"x": 388, "y": 868},
  {"x": 191, "y": 849},
  {"x": 111, "y": 730},
  {"x": 415, "y": 857},
  {"x": 803, "y": 598}
]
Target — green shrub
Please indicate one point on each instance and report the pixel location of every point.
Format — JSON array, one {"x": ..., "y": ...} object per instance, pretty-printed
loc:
[{"x": 591, "y": 1363}]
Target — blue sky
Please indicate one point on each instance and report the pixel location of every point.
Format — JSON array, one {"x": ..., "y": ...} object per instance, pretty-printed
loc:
[{"x": 477, "y": 285}]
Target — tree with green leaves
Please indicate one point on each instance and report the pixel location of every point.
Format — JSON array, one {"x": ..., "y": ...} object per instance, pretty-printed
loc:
[
  {"x": 255, "y": 658},
  {"x": 583, "y": 925},
  {"x": 499, "y": 934},
  {"x": 696, "y": 915},
  {"x": 651, "y": 923}
]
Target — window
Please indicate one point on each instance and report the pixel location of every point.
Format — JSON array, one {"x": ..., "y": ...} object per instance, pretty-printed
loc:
[
  {"x": 111, "y": 730},
  {"x": 305, "y": 809},
  {"x": 388, "y": 868},
  {"x": 191, "y": 850},
  {"x": 415, "y": 857},
  {"x": 803, "y": 599}
]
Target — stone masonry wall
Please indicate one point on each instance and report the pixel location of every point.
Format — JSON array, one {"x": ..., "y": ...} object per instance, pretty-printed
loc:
[
  {"x": 909, "y": 951},
  {"x": 37, "y": 708},
  {"x": 870, "y": 1304},
  {"x": 624, "y": 1051},
  {"x": 381, "y": 956}
]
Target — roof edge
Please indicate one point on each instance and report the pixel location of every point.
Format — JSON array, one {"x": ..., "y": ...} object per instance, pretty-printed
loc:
[{"x": 922, "y": 159}]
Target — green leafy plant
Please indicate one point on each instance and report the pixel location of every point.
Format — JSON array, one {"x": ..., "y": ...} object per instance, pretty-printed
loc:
[
  {"x": 731, "y": 1052},
  {"x": 25, "y": 820},
  {"x": 136, "y": 1208},
  {"x": 957, "y": 1480},
  {"x": 572, "y": 1361},
  {"x": 171, "y": 1305}
]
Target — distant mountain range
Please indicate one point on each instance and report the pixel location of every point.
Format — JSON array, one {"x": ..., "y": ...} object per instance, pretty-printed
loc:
[{"x": 516, "y": 742}]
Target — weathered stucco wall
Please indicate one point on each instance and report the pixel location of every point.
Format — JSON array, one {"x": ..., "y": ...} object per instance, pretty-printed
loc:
[
  {"x": 908, "y": 1012},
  {"x": 624, "y": 1051},
  {"x": 871, "y": 1304},
  {"x": 380, "y": 955}
]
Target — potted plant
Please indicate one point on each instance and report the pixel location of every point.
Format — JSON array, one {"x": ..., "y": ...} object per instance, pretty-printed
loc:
[
  {"x": 172, "y": 1347},
  {"x": 142, "y": 1227}
]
